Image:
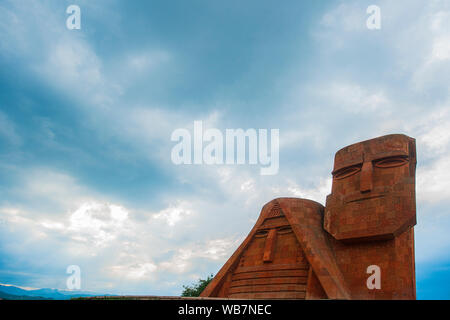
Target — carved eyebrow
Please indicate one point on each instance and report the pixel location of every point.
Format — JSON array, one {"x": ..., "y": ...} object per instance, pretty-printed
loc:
[
  {"x": 390, "y": 162},
  {"x": 346, "y": 166},
  {"x": 284, "y": 229},
  {"x": 346, "y": 172},
  {"x": 391, "y": 156},
  {"x": 261, "y": 233}
]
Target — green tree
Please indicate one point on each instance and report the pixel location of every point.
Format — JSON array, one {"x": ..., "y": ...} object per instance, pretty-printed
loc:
[{"x": 197, "y": 288}]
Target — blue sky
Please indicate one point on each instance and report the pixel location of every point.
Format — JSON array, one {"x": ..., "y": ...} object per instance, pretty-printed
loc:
[{"x": 86, "y": 116}]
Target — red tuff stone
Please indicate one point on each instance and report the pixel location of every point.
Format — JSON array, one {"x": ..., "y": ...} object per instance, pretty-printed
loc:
[{"x": 300, "y": 250}]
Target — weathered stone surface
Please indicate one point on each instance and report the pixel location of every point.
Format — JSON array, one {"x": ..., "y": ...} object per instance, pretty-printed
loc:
[{"x": 373, "y": 193}]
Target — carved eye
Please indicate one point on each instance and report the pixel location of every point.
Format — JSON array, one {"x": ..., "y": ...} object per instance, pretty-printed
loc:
[
  {"x": 261, "y": 233},
  {"x": 346, "y": 172},
  {"x": 391, "y": 162},
  {"x": 283, "y": 230}
]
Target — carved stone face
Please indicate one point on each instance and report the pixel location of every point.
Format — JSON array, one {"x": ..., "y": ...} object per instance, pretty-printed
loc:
[
  {"x": 273, "y": 264},
  {"x": 373, "y": 191},
  {"x": 273, "y": 243}
]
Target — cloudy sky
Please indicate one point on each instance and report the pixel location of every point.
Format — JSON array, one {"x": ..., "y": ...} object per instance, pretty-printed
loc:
[{"x": 86, "y": 116}]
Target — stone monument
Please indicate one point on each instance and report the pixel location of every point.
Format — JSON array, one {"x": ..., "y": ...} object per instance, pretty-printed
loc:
[{"x": 360, "y": 246}]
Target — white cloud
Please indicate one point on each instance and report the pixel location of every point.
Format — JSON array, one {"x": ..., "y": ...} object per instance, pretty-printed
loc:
[
  {"x": 435, "y": 132},
  {"x": 248, "y": 185},
  {"x": 317, "y": 193},
  {"x": 73, "y": 67},
  {"x": 186, "y": 257},
  {"x": 355, "y": 99},
  {"x": 219, "y": 248},
  {"x": 180, "y": 263},
  {"x": 53, "y": 225},
  {"x": 440, "y": 27},
  {"x": 441, "y": 48},
  {"x": 173, "y": 214},
  {"x": 433, "y": 181},
  {"x": 134, "y": 271},
  {"x": 113, "y": 243},
  {"x": 97, "y": 223},
  {"x": 50, "y": 191}
]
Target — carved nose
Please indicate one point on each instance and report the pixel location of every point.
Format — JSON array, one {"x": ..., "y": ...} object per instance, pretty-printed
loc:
[
  {"x": 269, "y": 247},
  {"x": 366, "y": 177}
]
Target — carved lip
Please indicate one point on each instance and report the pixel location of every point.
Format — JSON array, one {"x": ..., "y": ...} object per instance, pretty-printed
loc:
[{"x": 357, "y": 198}]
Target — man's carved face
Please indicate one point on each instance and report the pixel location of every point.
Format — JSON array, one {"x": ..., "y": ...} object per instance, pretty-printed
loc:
[{"x": 373, "y": 191}]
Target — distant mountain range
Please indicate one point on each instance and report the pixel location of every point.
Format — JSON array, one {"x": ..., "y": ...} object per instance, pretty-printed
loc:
[{"x": 16, "y": 293}]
